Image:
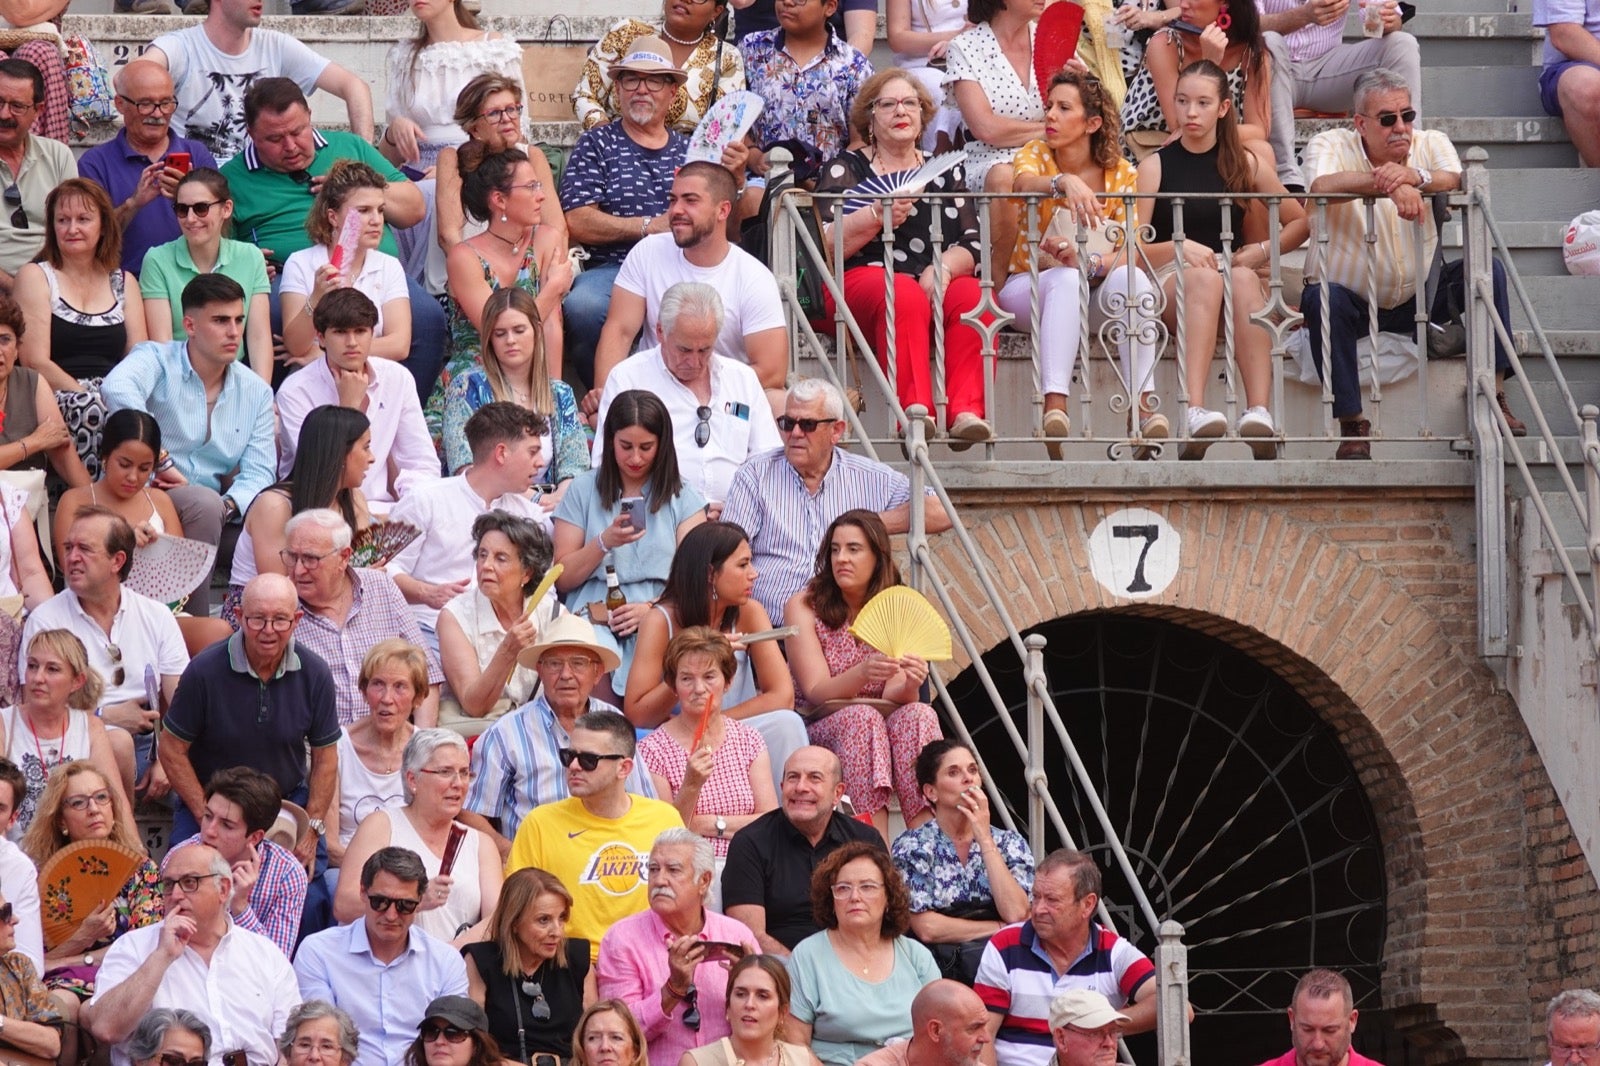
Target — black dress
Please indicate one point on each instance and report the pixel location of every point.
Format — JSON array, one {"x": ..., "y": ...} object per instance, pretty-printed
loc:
[
  {"x": 508, "y": 1005},
  {"x": 913, "y": 248}
]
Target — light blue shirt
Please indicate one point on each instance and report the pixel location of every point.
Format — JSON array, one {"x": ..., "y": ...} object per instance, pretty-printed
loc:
[
  {"x": 157, "y": 377},
  {"x": 386, "y": 1000}
]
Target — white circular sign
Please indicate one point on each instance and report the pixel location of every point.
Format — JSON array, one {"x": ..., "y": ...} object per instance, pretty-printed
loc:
[{"x": 1134, "y": 553}]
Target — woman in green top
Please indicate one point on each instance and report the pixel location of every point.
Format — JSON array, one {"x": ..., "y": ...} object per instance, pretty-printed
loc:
[{"x": 205, "y": 212}]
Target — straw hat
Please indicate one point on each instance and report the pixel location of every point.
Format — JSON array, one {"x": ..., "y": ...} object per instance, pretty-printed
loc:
[
  {"x": 649, "y": 55},
  {"x": 570, "y": 630}
]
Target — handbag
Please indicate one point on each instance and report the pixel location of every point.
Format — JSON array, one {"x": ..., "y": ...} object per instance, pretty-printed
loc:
[
  {"x": 959, "y": 962},
  {"x": 1063, "y": 226},
  {"x": 551, "y": 69},
  {"x": 88, "y": 85}
]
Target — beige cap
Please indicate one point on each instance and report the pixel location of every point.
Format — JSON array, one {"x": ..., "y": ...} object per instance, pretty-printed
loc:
[{"x": 1083, "y": 1007}]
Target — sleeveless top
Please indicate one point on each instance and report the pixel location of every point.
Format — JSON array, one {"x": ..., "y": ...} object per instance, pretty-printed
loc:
[
  {"x": 510, "y": 1010},
  {"x": 1184, "y": 171},
  {"x": 465, "y": 905},
  {"x": 154, "y": 520},
  {"x": 36, "y": 757},
  {"x": 86, "y": 344},
  {"x": 465, "y": 346},
  {"x": 721, "y": 1054},
  {"x": 21, "y": 417},
  {"x": 244, "y": 551},
  {"x": 362, "y": 791}
]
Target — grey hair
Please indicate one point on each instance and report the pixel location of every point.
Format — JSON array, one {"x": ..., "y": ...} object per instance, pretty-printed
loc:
[
  {"x": 693, "y": 298},
  {"x": 1573, "y": 1003},
  {"x": 705, "y": 856},
  {"x": 420, "y": 748},
  {"x": 315, "y": 1010},
  {"x": 1375, "y": 82},
  {"x": 534, "y": 549},
  {"x": 221, "y": 868},
  {"x": 144, "y": 1043},
  {"x": 810, "y": 390},
  {"x": 323, "y": 518}
]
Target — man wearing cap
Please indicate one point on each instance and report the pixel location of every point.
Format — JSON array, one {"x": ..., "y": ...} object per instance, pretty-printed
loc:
[
  {"x": 1059, "y": 948},
  {"x": 949, "y": 1027},
  {"x": 1084, "y": 1029},
  {"x": 516, "y": 763},
  {"x": 382, "y": 972},
  {"x": 615, "y": 187},
  {"x": 1322, "y": 1019}
]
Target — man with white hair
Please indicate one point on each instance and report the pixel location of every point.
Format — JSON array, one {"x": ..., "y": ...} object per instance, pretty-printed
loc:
[
  {"x": 668, "y": 963},
  {"x": 720, "y": 414},
  {"x": 348, "y": 610},
  {"x": 949, "y": 1027},
  {"x": 1572, "y": 1027},
  {"x": 197, "y": 958},
  {"x": 1085, "y": 1029},
  {"x": 784, "y": 499}
]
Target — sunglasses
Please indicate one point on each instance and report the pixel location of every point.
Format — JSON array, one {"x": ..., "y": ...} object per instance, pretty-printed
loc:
[
  {"x": 201, "y": 208},
  {"x": 379, "y": 904},
  {"x": 539, "y": 1009},
  {"x": 588, "y": 760},
  {"x": 453, "y": 1034},
  {"x": 13, "y": 196},
  {"x": 691, "y": 1009},
  {"x": 172, "y": 1058},
  {"x": 702, "y": 428},
  {"x": 807, "y": 425},
  {"x": 114, "y": 653},
  {"x": 1387, "y": 119}
]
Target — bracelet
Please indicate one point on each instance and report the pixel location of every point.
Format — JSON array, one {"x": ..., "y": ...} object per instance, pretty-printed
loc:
[
  {"x": 644, "y": 227},
  {"x": 24, "y": 448},
  {"x": 388, "y": 139},
  {"x": 600, "y": 539},
  {"x": 674, "y": 992},
  {"x": 1265, "y": 250}
]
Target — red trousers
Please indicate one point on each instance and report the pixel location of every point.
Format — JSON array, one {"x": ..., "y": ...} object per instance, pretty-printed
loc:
[{"x": 868, "y": 299}]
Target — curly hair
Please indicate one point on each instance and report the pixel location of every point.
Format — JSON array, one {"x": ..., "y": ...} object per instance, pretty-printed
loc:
[
  {"x": 897, "y": 897},
  {"x": 346, "y": 177},
  {"x": 1105, "y": 143}
]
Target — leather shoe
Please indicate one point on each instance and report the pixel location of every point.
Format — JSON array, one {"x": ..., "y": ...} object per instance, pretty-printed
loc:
[
  {"x": 1517, "y": 426},
  {"x": 1355, "y": 444}
]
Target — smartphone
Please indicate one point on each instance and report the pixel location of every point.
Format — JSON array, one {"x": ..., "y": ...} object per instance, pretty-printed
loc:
[
  {"x": 722, "y": 950},
  {"x": 179, "y": 161},
  {"x": 634, "y": 508},
  {"x": 1186, "y": 27},
  {"x": 412, "y": 172}
]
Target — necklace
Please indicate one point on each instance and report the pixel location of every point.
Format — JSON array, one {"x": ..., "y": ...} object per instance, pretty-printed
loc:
[
  {"x": 515, "y": 246},
  {"x": 679, "y": 40}
]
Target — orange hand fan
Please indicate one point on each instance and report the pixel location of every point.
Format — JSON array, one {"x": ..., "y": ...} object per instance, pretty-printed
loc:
[
  {"x": 79, "y": 879},
  {"x": 700, "y": 730},
  {"x": 900, "y": 621}
]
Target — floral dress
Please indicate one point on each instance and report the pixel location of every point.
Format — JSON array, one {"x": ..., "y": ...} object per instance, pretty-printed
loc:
[
  {"x": 879, "y": 753},
  {"x": 566, "y": 446},
  {"x": 465, "y": 344},
  {"x": 138, "y": 904}
]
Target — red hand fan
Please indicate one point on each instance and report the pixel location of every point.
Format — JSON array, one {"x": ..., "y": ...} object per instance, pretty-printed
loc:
[{"x": 1055, "y": 41}]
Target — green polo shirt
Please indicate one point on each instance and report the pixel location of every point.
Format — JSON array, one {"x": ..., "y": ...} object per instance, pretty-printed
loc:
[
  {"x": 169, "y": 267},
  {"x": 45, "y": 164},
  {"x": 270, "y": 207}
]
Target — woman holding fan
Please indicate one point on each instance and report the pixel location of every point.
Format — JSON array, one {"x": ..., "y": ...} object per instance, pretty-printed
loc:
[{"x": 878, "y": 737}]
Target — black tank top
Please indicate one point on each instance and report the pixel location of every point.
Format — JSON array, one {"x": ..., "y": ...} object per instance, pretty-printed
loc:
[
  {"x": 505, "y": 1001},
  {"x": 1185, "y": 171}
]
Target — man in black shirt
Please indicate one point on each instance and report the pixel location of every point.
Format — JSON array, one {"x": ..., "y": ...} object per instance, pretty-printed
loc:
[{"x": 766, "y": 883}]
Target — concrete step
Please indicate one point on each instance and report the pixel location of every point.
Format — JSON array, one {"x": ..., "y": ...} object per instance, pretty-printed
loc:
[
  {"x": 1465, "y": 38},
  {"x": 1511, "y": 91}
]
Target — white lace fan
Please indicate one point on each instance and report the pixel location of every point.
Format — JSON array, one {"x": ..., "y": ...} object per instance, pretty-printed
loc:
[
  {"x": 901, "y": 182},
  {"x": 900, "y": 621}
]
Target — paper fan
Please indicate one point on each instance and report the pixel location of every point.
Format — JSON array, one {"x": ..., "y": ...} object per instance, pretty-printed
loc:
[
  {"x": 79, "y": 879},
  {"x": 168, "y": 568},
  {"x": 1054, "y": 42},
  {"x": 545, "y": 584},
  {"x": 923, "y": 176},
  {"x": 381, "y": 542},
  {"x": 874, "y": 189},
  {"x": 728, "y": 119},
  {"x": 900, "y": 621}
]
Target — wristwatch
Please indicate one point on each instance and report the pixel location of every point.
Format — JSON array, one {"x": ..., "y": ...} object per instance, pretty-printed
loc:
[
  {"x": 722, "y": 826},
  {"x": 317, "y": 826},
  {"x": 1425, "y": 177}
]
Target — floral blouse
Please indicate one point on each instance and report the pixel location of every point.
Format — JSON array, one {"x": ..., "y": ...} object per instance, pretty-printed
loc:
[
  {"x": 938, "y": 880},
  {"x": 595, "y": 104},
  {"x": 913, "y": 245},
  {"x": 1036, "y": 159},
  {"x": 568, "y": 454}
]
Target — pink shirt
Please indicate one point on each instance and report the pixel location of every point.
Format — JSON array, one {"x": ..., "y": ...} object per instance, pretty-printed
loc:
[
  {"x": 1355, "y": 1059},
  {"x": 633, "y": 968},
  {"x": 728, "y": 789},
  {"x": 1308, "y": 42}
]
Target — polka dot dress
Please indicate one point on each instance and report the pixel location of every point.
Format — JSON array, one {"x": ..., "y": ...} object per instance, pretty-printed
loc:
[
  {"x": 975, "y": 56},
  {"x": 914, "y": 243}
]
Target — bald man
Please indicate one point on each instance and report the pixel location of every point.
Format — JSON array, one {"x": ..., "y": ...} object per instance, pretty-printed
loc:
[
  {"x": 949, "y": 1027},
  {"x": 136, "y": 167}
]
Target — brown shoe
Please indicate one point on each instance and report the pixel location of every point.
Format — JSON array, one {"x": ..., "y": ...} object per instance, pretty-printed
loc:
[
  {"x": 1518, "y": 428},
  {"x": 1355, "y": 444}
]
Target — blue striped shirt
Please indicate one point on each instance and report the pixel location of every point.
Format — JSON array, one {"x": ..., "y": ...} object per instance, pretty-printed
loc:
[
  {"x": 786, "y": 521},
  {"x": 515, "y": 767}
]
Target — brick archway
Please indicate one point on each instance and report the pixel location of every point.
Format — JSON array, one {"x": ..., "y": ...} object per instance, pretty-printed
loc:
[{"x": 1481, "y": 863}]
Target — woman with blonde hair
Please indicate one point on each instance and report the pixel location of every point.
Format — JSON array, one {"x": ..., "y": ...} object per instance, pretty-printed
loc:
[
  {"x": 309, "y": 274},
  {"x": 51, "y": 724},
  {"x": 529, "y": 976},
  {"x": 608, "y": 1035}
]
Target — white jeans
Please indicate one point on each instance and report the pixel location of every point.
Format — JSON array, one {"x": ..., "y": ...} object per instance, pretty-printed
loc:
[{"x": 1059, "y": 324}]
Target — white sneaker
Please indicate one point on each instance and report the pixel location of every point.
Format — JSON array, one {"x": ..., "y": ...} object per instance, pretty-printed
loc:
[
  {"x": 1256, "y": 424},
  {"x": 1205, "y": 426}
]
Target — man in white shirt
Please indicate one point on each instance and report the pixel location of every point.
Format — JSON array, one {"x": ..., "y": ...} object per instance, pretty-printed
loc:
[
  {"x": 507, "y": 454},
  {"x": 214, "y": 63},
  {"x": 720, "y": 415},
  {"x": 196, "y": 957},
  {"x": 346, "y": 376},
  {"x": 753, "y": 329},
  {"x": 19, "y": 878}
]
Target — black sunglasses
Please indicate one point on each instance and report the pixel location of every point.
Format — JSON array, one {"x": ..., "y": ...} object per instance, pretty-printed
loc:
[
  {"x": 452, "y": 1033},
  {"x": 201, "y": 208},
  {"x": 691, "y": 1009},
  {"x": 172, "y": 1058},
  {"x": 588, "y": 760},
  {"x": 382, "y": 903},
  {"x": 807, "y": 425},
  {"x": 13, "y": 196},
  {"x": 7, "y": 915},
  {"x": 539, "y": 1009},
  {"x": 1387, "y": 119},
  {"x": 702, "y": 428}
]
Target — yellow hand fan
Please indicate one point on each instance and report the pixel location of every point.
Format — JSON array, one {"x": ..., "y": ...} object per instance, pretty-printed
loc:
[
  {"x": 544, "y": 586},
  {"x": 79, "y": 879},
  {"x": 900, "y": 621}
]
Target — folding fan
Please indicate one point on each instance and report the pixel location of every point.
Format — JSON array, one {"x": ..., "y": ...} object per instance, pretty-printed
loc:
[
  {"x": 79, "y": 879},
  {"x": 1055, "y": 41},
  {"x": 923, "y": 176},
  {"x": 900, "y": 621},
  {"x": 349, "y": 241},
  {"x": 168, "y": 568},
  {"x": 728, "y": 119},
  {"x": 874, "y": 189},
  {"x": 381, "y": 542},
  {"x": 544, "y": 586}
]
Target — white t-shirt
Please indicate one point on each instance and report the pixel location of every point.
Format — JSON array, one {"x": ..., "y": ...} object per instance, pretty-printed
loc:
[
  {"x": 749, "y": 292},
  {"x": 382, "y": 278},
  {"x": 210, "y": 84}
]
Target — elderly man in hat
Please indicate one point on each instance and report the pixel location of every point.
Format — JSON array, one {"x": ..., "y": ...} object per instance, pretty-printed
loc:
[
  {"x": 516, "y": 763},
  {"x": 1084, "y": 1029},
  {"x": 615, "y": 188}
]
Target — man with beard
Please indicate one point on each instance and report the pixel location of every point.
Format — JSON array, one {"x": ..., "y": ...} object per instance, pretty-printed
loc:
[
  {"x": 615, "y": 193},
  {"x": 1321, "y": 1022},
  {"x": 30, "y": 167},
  {"x": 698, "y": 249},
  {"x": 949, "y": 1027}
]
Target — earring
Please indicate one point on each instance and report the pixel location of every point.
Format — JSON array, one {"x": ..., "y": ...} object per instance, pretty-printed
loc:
[
  {"x": 503, "y": 216},
  {"x": 1224, "y": 20}
]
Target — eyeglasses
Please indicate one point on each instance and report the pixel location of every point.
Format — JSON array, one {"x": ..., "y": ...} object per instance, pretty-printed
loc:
[
  {"x": 13, "y": 196},
  {"x": 654, "y": 82},
  {"x": 865, "y": 889},
  {"x": 172, "y": 1058},
  {"x": 886, "y": 106},
  {"x": 534, "y": 185},
  {"x": 306, "y": 1045},
  {"x": 588, "y": 760},
  {"x": 500, "y": 114},
  {"x": 118, "y": 674},
  {"x": 1387, "y": 119},
  {"x": 12, "y": 107},
  {"x": 201, "y": 208},
  {"x": 379, "y": 904},
  {"x": 190, "y": 883},
  {"x": 255, "y": 623},
  {"x": 449, "y": 776},
  {"x": 1558, "y": 1052},
  {"x": 81, "y": 803},
  {"x": 691, "y": 1009},
  {"x": 702, "y": 428},
  {"x": 807, "y": 425},
  {"x": 577, "y": 664},
  {"x": 452, "y": 1033},
  {"x": 149, "y": 107},
  {"x": 306, "y": 559},
  {"x": 539, "y": 1009}
]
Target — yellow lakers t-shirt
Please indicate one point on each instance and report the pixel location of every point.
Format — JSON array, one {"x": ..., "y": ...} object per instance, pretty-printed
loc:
[{"x": 600, "y": 860}]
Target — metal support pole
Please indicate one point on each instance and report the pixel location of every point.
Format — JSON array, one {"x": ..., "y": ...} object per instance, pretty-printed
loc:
[
  {"x": 916, "y": 431},
  {"x": 1038, "y": 781},
  {"x": 1172, "y": 997},
  {"x": 1591, "y": 496},
  {"x": 1493, "y": 609}
]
